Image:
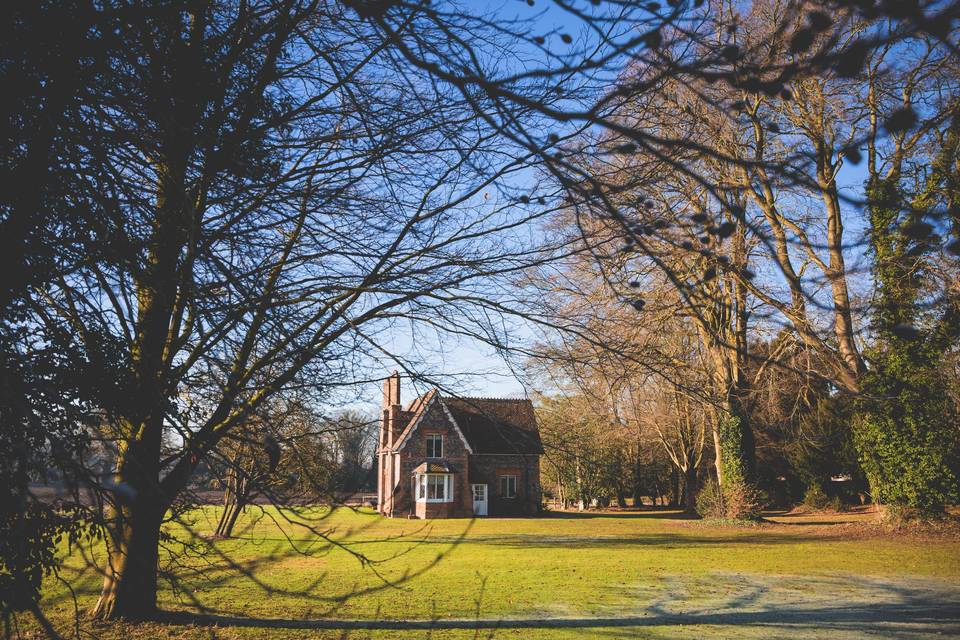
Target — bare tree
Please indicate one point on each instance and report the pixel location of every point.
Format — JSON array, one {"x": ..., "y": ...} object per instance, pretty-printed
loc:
[{"x": 277, "y": 185}]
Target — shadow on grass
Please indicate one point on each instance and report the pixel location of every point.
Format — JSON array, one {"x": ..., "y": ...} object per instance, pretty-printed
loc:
[
  {"x": 773, "y": 606},
  {"x": 666, "y": 541},
  {"x": 860, "y": 617},
  {"x": 660, "y": 513}
]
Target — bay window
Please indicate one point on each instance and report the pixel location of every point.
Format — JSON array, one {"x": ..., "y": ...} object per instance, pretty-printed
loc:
[{"x": 434, "y": 487}]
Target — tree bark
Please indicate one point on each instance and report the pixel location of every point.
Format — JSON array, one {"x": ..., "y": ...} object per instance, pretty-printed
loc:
[
  {"x": 690, "y": 489},
  {"x": 130, "y": 581}
]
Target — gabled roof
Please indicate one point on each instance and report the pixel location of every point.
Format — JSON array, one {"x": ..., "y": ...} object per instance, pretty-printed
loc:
[
  {"x": 496, "y": 425},
  {"x": 415, "y": 411},
  {"x": 486, "y": 425}
]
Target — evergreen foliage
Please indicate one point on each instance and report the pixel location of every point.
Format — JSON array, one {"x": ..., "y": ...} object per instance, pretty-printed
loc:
[
  {"x": 903, "y": 429},
  {"x": 740, "y": 498}
]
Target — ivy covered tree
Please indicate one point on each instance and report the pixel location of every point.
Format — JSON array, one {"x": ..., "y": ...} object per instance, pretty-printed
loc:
[{"x": 905, "y": 428}]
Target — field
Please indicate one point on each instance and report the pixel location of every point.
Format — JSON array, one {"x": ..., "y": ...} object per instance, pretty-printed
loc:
[{"x": 643, "y": 575}]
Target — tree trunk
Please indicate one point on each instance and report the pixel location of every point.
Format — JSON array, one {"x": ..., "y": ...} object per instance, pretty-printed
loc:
[
  {"x": 228, "y": 502},
  {"x": 837, "y": 274},
  {"x": 676, "y": 488},
  {"x": 621, "y": 498},
  {"x": 231, "y": 521},
  {"x": 637, "y": 476},
  {"x": 130, "y": 579},
  {"x": 579, "y": 480},
  {"x": 717, "y": 451},
  {"x": 690, "y": 489}
]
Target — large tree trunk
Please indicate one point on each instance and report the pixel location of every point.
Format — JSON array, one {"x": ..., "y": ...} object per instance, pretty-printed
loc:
[
  {"x": 130, "y": 581},
  {"x": 130, "y": 577},
  {"x": 133, "y": 527},
  {"x": 837, "y": 275},
  {"x": 676, "y": 490}
]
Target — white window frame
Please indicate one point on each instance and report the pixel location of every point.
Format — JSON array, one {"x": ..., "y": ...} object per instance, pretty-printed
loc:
[
  {"x": 435, "y": 437},
  {"x": 500, "y": 491},
  {"x": 425, "y": 479}
]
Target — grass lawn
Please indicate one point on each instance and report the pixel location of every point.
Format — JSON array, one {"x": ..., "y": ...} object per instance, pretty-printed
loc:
[{"x": 645, "y": 575}]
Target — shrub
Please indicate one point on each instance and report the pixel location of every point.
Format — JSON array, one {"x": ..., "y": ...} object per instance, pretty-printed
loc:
[
  {"x": 737, "y": 502},
  {"x": 815, "y": 497},
  {"x": 742, "y": 501},
  {"x": 709, "y": 503}
]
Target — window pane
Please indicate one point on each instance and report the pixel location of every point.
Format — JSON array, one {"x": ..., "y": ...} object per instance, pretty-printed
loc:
[
  {"x": 436, "y": 487},
  {"x": 435, "y": 446},
  {"x": 508, "y": 486}
]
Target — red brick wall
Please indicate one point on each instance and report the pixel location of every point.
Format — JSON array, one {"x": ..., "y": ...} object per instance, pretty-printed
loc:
[{"x": 414, "y": 453}]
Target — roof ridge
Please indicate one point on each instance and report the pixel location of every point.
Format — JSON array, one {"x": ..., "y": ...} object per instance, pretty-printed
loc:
[{"x": 487, "y": 398}]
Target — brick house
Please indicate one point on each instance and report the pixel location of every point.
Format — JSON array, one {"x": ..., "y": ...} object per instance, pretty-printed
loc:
[{"x": 445, "y": 457}]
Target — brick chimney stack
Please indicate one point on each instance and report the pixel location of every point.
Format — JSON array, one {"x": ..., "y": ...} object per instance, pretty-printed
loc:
[
  {"x": 391, "y": 409},
  {"x": 391, "y": 390},
  {"x": 389, "y": 428}
]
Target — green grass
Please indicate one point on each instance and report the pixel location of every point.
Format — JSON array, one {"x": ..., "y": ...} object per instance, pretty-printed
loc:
[{"x": 726, "y": 581}]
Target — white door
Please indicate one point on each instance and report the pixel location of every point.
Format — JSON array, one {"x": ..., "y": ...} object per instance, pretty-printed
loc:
[{"x": 479, "y": 499}]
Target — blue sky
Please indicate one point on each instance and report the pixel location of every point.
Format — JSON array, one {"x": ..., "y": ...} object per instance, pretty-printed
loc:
[{"x": 472, "y": 368}]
